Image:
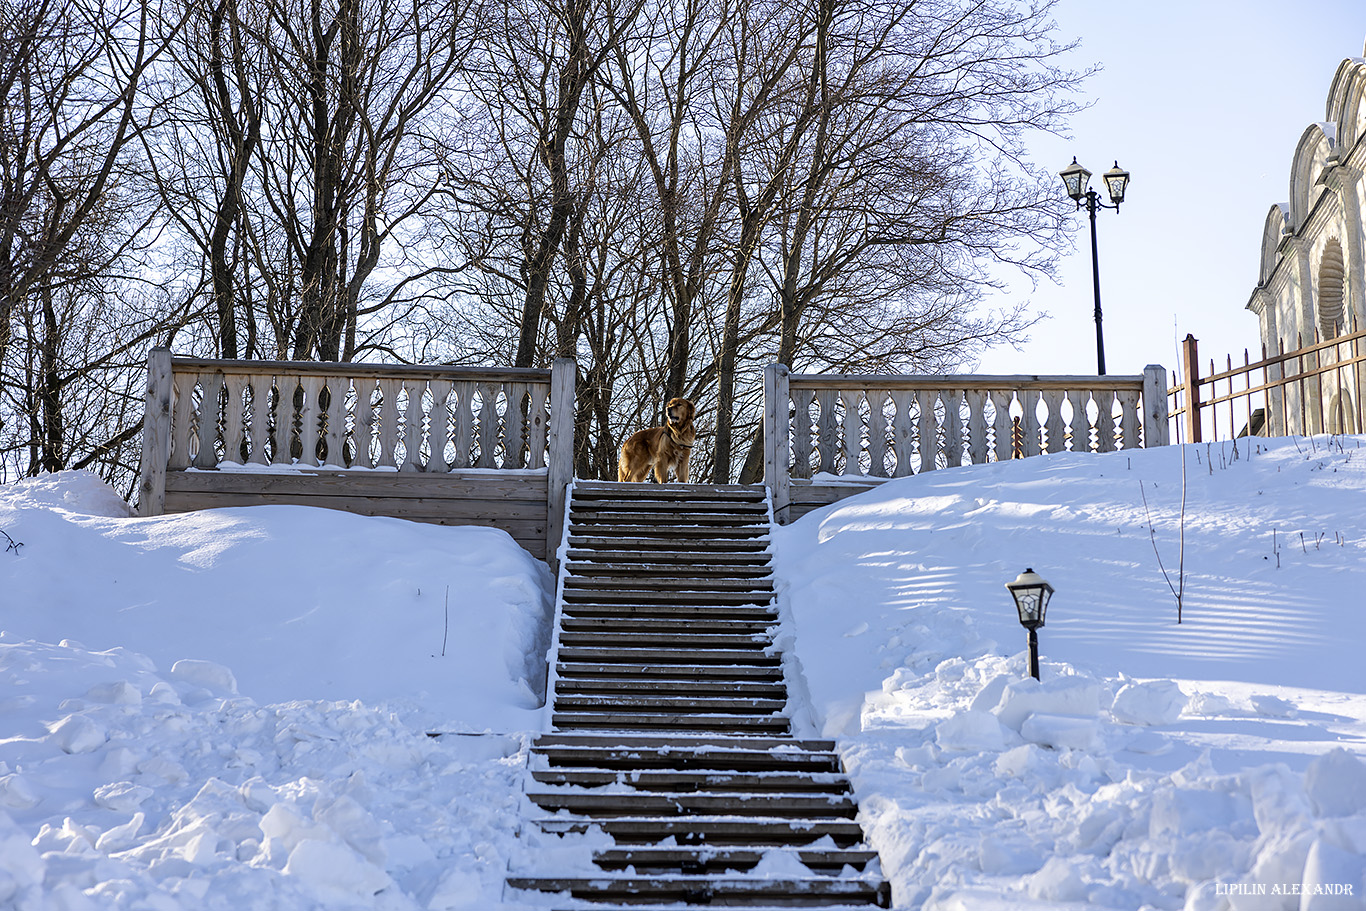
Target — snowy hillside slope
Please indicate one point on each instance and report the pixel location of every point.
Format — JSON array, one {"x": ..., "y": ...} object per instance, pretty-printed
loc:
[
  {"x": 230, "y": 710},
  {"x": 1156, "y": 765}
]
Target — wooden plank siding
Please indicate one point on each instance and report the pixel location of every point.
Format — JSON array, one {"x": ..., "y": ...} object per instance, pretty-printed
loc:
[
  {"x": 860, "y": 430},
  {"x": 445, "y": 445}
]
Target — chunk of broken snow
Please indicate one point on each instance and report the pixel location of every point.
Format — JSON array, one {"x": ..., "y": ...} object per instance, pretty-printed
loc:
[
  {"x": 16, "y": 792},
  {"x": 1067, "y": 732},
  {"x": 1336, "y": 783},
  {"x": 972, "y": 731},
  {"x": 1154, "y": 702},
  {"x": 1072, "y": 695},
  {"x": 335, "y": 870},
  {"x": 1057, "y": 881},
  {"x": 1333, "y": 878},
  {"x": 77, "y": 734},
  {"x": 1273, "y": 706},
  {"x": 120, "y": 693},
  {"x": 1179, "y": 812},
  {"x": 1210, "y": 704},
  {"x": 207, "y": 674},
  {"x": 121, "y": 796}
]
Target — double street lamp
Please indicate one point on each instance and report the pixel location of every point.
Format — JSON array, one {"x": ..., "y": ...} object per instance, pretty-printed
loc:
[{"x": 1076, "y": 179}]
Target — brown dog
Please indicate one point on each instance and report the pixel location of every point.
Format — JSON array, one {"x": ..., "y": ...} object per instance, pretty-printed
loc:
[{"x": 662, "y": 448}]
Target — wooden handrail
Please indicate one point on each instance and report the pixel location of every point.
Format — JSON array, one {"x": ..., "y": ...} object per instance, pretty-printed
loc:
[
  {"x": 962, "y": 381},
  {"x": 321, "y": 368}
]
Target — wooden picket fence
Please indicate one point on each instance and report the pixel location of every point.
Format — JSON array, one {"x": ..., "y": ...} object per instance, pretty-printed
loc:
[
  {"x": 1312, "y": 388},
  {"x": 450, "y": 445},
  {"x": 827, "y": 436}
]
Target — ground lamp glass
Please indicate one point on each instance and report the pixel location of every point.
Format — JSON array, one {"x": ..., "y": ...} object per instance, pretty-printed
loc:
[
  {"x": 1031, "y": 593},
  {"x": 1076, "y": 180}
]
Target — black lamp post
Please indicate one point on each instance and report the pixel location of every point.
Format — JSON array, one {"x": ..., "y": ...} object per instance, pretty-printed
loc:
[
  {"x": 1031, "y": 594},
  {"x": 1076, "y": 179}
]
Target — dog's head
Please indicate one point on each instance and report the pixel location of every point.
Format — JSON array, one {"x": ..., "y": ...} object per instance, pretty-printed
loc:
[{"x": 679, "y": 413}]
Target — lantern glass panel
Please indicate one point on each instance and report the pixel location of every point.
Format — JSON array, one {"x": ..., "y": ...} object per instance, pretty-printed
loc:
[
  {"x": 1116, "y": 182},
  {"x": 1031, "y": 593},
  {"x": 1074, "y": 179}
]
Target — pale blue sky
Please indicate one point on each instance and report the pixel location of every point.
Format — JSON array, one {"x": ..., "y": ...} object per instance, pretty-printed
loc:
[{"x": 1203, "y": 101}]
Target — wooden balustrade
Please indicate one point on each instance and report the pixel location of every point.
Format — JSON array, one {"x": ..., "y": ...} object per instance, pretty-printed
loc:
[
  {"x": 440, "y": 431},
  {"x": 824, "y": 432}
]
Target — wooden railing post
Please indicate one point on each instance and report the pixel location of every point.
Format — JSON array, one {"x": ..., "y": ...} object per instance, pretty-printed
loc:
[
  {"x": 156, "y": 434},
  {"x": 776, "y": 441},
  {"x": 1190, "y": 371},
  {"x": 1155, "y": 430},
  {"x": 560, "y": 467}
]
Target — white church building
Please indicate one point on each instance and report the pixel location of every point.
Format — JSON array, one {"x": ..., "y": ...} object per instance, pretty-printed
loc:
[{"x": 1311, "y": 291}]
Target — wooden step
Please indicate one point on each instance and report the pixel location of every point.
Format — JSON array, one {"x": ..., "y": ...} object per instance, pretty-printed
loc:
[
  {"x": 634, "y": 514},
  {"x": 738, "y": 562},
  {"x": 652, "y": 546},
  {"x": 711, "y": 746},
  {"x": 563, "y": 905},
  {"x": 588, "y": 569},
  {"x": 627, "y": 638},
  {"x": 668, "y": 722},
  {"x": 698, "y": 580},
  {"x": 673, "y": 782},
  {"x": 669, "y": 499},
  {"x": 724, "y": 890},
  {"x": 770, "y": 689},
  {"x": 623, "y": 489},
  {"x": 682, "y": 533},
  {"x": 768, "y": 671},
  {"x": 660, "y": 625},
  {"x": 708, "y": 860},
  {"x": 683, "y": 703},
  {"x": 641, "y": 593},
  {"x": 680, "y": 597},
  {"x": 735, "y": 760},
  {"x": 625, "y": 612},
  {"x": 667, "y": 656},
  {"x": 695, "y": 830},
  {"x": 633, "y": 804}
]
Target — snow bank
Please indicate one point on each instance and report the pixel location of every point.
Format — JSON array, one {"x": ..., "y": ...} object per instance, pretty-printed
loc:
[
  {"x": 171, "y": 797},
  {"x": 447, "y": 625},
  {"x": 1197, "y": 766}
]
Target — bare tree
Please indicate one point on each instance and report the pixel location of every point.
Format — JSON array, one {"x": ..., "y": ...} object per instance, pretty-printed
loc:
[
  {"x": 306, "y": 143},
  {"x": 74, "y": 229},
  {"x": 910, "y": 190}
]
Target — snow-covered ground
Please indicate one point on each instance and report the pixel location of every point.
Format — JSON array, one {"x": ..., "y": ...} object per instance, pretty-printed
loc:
[
  {"x": 230, "y": 709},
  {"x": 1215, "y": 764}
]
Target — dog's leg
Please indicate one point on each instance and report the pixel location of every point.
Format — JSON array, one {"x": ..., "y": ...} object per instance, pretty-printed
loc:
[
  {"x": 661, "y": 471},
  {"x": 683, "y": 467}
]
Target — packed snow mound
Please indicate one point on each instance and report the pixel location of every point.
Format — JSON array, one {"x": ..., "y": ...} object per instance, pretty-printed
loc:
[
  {"x": 447, "y": 625},
  {"x": 1156, "y": 765},
  {"x": 122, "y": 787},
  {"x": 78, "y": 493}
]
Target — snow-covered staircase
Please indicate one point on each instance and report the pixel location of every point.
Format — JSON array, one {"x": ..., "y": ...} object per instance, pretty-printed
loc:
[{"x": 669, "y": 754}]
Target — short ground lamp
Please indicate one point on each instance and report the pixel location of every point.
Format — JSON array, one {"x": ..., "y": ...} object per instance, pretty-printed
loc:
[{"x": 1031, "y": 594}]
